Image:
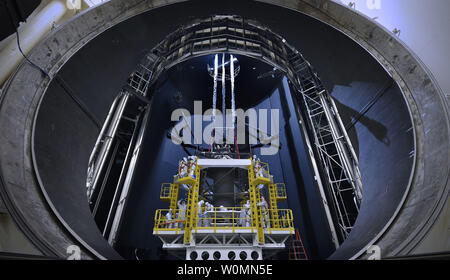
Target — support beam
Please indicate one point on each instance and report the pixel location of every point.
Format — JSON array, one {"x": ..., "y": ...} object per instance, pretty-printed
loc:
[
  {"x": 275, "y": 219},
  {"x": 192, "y": 206},
  {"x": 255, "y": 199}
]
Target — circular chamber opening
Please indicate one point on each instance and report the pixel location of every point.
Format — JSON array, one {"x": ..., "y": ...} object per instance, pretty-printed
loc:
[
  {"x": 243, "y": 255},
  {"x": 255, "y": 255},
  {"x": 231, "y": 255}
]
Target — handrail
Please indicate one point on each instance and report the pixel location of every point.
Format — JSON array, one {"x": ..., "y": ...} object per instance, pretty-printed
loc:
[
  {"x": 262, "y": 169},
  {"x": 221, "y": 218},
  {"x": 165, "y": 191},
  {"x": 281, "y": 191}
]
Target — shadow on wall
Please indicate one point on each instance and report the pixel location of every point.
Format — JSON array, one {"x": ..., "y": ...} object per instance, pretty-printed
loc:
[{"x": 350, "y": 117}]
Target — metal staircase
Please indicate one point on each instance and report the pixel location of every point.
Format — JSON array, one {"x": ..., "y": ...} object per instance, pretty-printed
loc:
[{"x": 296, "y": 249}]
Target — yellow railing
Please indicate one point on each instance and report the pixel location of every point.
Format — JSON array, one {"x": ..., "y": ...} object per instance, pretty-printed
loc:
[
  {"x": 186, "y": 172},
  {"x": 261, "y": 169},
  {"x": 281, "y": 191},
  {"x": 170, "y": 220},
  {"x": 185, "y": 168},
  {"x": 284, "y": 217},
  {"x": 220, "y": 218},
  {"x": 217, "y": 218},
  {"x": 165, "y": 192}
]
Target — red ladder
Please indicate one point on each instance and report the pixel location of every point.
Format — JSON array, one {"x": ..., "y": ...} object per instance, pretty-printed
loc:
[{"x": 296, "y": 248}]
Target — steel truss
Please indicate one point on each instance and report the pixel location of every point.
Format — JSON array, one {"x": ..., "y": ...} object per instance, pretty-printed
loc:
[
  {"x": 224, "y": 243},
  {"x": 337, "y": 156},
  {"x": 117, "y": 149},
  {"x": 222, "y": 239}
]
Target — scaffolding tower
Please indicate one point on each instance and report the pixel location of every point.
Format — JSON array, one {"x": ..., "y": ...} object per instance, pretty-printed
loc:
[{"x": 211, "y": 232}]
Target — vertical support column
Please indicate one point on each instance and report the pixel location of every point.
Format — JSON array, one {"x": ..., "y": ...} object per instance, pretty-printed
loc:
[
  {"x": 255, "y": 199},
  {"x": 192, "y": 207},
  {"x": 275, "y": 219}
]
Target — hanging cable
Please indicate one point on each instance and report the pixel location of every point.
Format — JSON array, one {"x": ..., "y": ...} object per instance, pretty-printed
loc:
[
  {"x": 216, "y": 73},
  {"x": 216, "y": 70},
  {"x": 20, "y": 48},
  {"x": 27, "y": 59},
  {"x": 233, "y": 104},
  {"x": 223, "y": 89}
]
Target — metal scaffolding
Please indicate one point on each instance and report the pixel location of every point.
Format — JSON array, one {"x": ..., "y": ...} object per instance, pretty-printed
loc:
[
  {"x": 117, "y": 149},
  {"x": 198, "y": 228},
  {"x": 340, "y": 164}
]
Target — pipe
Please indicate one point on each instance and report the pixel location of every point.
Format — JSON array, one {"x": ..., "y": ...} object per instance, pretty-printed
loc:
[
  {"x": 233, "y": 103},
  {"x": 216, "y": 68},
  {"x": 30, "y": 34},
  {"x": 223, "y": 89}
]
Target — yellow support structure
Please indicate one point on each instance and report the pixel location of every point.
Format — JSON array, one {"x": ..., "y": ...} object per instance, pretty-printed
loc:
[
  {"x": 174, "y": 191},
  {"x": 275, "y": 219},
  {"x": 169, "y": 193},
  {"x": 281, "y": 192},
  {"x": 192, "y": 205},
  {"x": 165, "y": 192},
  {"x": 255, "y": 199},
  {"x": 264, "y": 177}
]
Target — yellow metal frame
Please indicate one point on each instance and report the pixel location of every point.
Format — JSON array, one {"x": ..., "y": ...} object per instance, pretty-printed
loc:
[
  {"x": 169, "y": 193},
  {"x": 166, "y": 189},
  {"x": 216, "y": 220},
  {"x": 217, "y": 217},
  {"x": 266, "y": 178},
  {"x": 162, "y": 225},
  {"x": 281, "y": 194},
  {"x": 285, "y": 223},
  {"x": 187, "y": 180},
  {"x": 174, "y": 191},
  {"x": 192, "y": 204},
  {"x": 268, "y": 220},
  {"x": 272, "y": 188},
  {"x": 255, "y": 199}
]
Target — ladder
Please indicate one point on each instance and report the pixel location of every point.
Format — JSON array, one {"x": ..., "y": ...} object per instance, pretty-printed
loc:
[
  {"x": 338, "y": 161},
  {"x": 275, "y": 219},
  {"x": 255, "y": 199},
  {"x": 192, "y": 206},
  {"x": 296, "y": 249}
]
